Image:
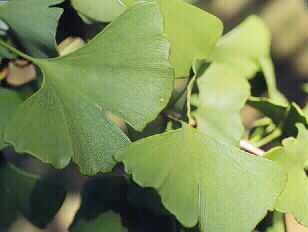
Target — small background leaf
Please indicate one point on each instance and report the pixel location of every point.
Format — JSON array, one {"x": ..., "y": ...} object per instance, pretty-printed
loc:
[
  {"x": 222, "y": 93},
  {"x": 247, "y": 49},
  {"x": 33, "y": 24},
  {"x": 293, "y": 157},
  {"x": 36, "y": 199},
  {"x": 284, "y": 117},
  {"x": 98, "y": 11}
]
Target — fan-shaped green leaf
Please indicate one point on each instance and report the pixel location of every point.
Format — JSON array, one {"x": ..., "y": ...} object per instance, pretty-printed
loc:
[
  {"x": 65, "y": 114},
  {"x": 188, "y": 38},
  {"x": 243, "y": 46},
  {"x": 98, "y": 11},
  {"x": 34, "y": 24},
  {"x": 222, "y": 93},
  {"x": 203, "y": 180},
  {"x": 293, "y": 156},
  {"x": 247, "y": 49},
  {"x": 36, "y": 199}
]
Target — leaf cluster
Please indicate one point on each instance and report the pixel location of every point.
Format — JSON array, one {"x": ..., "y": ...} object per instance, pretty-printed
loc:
[{"x": 152, "y": 88}]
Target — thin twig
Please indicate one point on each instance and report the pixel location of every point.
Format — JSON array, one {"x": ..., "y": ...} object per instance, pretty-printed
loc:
[{"x": 246, "y": 146}]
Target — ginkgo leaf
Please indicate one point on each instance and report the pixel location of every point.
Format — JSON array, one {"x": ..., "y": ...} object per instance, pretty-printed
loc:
[
  {"x": 65, "y": 114},
  {"x": 188, "y": 39},
  {"x": 98, "y": 11},
  {"x": 284, "y": 116},
  {"x": 34, "y": 198},
  {"x": 243, "y": 46},
  {"x": 293, "y": 157},
  {"x": 34, "y": 24},
  {"x": 203, "y": 180},
  {"x": 222, "y": 93},
  {"x": 247, "y": 49},
  {"x": 9, "y": 101},
  {"x": 269, "y": 108}
]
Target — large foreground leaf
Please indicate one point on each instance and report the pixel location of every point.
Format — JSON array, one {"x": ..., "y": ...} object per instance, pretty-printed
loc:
[
  {"x": 188, "y": 38},
  {"x": 65, "y": 117},
  {"x": 222, "y": 93},
  {"x": 9, "y": 101},
  {"x": 34, "y": 198},
  {"x": 203, "y": 180},
  {"x": 293, "y": 156},
  {"x": 97, "y": 10},
  {"x": 34, "y": 24}
]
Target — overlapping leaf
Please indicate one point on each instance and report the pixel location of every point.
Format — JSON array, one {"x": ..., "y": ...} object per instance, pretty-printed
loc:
[
  {"x": 247, "y": 49},
  {"x": 243, "y": 46},
  {"x": 188, "y": 38},
  {"x": 222, "y": 93},
  {"x": 36, "y": 199},
  {"x": 284, "y": 116},
  {"x": 9, "y": 101},
  {"x": 203, "y": 180},
  {"x": 33, "y": 24},
  {"x": 65, "y": 114},
  {"x": 97, "y": 11},
  {"x": 100, "y": 196},
  {"x": 293, "y": 156}
]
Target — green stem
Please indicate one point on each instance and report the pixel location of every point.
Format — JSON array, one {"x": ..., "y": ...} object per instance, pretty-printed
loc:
[
  {"x": 6, "y": 45},
  {"x": 275, "y": 134},
  {"x": 189, "y": 91}
]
